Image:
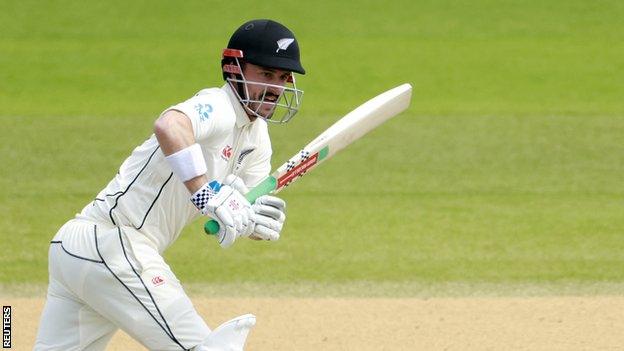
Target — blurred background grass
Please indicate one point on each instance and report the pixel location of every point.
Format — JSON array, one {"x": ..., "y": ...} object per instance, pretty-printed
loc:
[{"x": 507, "y": 168}]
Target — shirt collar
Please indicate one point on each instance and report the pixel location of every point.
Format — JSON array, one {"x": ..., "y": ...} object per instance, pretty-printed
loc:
[{"x": 241, "y": 116}]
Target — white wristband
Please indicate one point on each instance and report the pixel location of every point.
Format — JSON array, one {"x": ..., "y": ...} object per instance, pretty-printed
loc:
[{"x": 188, "y": 163}]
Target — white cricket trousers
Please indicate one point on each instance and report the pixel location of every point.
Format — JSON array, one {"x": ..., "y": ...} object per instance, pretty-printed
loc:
[{"x": 103, "y": 278}]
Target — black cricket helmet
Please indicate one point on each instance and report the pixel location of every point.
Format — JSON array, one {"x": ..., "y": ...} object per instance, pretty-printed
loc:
[{"x": 268, "y": 44}]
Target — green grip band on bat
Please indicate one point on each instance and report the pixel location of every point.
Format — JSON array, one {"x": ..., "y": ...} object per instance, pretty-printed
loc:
[
  {"x": 266, "y": 186},
  {"x": 323, "y": 153}
]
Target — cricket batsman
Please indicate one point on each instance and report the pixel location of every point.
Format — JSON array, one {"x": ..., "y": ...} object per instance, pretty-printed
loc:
[{"x": 106, "y": 269}]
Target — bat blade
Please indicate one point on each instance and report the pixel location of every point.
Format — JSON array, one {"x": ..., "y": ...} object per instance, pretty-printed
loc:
[
  {"x": 341, "y": 134},
  {"x": 344, "y": 132}
]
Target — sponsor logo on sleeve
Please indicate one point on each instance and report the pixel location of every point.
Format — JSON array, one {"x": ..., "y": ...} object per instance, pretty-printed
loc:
[{"x": 204, "y": 111}]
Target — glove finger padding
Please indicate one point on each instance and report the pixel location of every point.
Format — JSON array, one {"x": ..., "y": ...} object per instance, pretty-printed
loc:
[
  {"x": 269, "y": 217},
  {"x": 227, "y": 229},
  {"x": 269, "y": 211},
  {"x": 267, "y": 228},
  {"x": 271, "y": 201},
  {"x": 248, "y": 229},
  {"x": 226, "y": 236}
]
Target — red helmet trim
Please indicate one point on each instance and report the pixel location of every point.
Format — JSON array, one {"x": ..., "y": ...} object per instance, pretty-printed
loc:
[
  {"x": 232, "y": 53},
  {"x": 231, "y": 69}
]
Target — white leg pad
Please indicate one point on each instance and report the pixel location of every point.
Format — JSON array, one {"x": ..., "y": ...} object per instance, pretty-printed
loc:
[{"x": 229, "y": 336}]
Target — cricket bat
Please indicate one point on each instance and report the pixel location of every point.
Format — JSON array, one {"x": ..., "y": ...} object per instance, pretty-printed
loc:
[{"x": 341, "y": 134}]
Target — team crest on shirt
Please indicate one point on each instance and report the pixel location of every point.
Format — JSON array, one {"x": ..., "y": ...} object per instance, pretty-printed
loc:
[
  {"x": 244, "y": 154},
  {"x": 226, "y": 153},
  {"x": 241, "y": 157}
]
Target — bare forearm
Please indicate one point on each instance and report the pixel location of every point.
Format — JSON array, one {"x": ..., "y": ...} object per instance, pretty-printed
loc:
[
  {"x": 194, "y": 184},
  {"x": 174, "y": 132}
]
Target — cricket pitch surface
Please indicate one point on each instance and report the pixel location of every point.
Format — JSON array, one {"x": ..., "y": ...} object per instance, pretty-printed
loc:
[{"x": 450, "y": 323}]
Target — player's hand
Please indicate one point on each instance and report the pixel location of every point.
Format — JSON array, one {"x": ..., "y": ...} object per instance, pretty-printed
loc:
[
  {"x": 233, "y": 212},
  {"x": 268, "y": 213},
  {"x": 269, "y": 216},
  {"x": 229, "y": 208},
  {"x": 239, "y": 185}
]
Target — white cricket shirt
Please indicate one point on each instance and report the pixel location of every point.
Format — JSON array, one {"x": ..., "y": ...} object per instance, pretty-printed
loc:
[{"x": 146, "y": 195}]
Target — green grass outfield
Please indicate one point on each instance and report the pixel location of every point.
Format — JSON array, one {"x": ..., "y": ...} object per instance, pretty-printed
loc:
[{"x": 507, "y": 170}]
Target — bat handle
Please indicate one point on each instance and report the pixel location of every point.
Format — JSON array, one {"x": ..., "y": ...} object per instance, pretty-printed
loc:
[
  {"x": 211, "y": 227},
  {"x": 265, "y": 187}
]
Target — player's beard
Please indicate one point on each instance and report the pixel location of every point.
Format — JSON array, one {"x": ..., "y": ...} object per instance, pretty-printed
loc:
[{"x": 267, "y": 108}]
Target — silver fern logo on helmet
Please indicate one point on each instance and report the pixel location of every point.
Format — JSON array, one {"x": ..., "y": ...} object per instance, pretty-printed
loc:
[{"x": 284, "y": 43}]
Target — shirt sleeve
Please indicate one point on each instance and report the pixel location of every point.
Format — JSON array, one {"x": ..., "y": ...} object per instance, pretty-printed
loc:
[{"x": 206, "y": 113}]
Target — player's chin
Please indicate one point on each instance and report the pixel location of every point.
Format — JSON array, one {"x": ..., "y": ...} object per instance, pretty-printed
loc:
[{"x": 267, "y": 110}]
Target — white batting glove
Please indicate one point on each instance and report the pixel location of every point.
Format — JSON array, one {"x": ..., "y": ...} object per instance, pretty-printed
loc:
[
  {"x": 229, "y": 208},
  {"x": 239, "y": 185},
  {"x": 269, "y": 217}
]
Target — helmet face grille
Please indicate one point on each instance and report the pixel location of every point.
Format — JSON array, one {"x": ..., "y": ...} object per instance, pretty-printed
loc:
[{"x": 281, "y": 110}]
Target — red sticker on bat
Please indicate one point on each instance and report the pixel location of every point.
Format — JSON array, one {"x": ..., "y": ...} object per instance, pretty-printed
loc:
[{"x": 297, "y": 171}]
